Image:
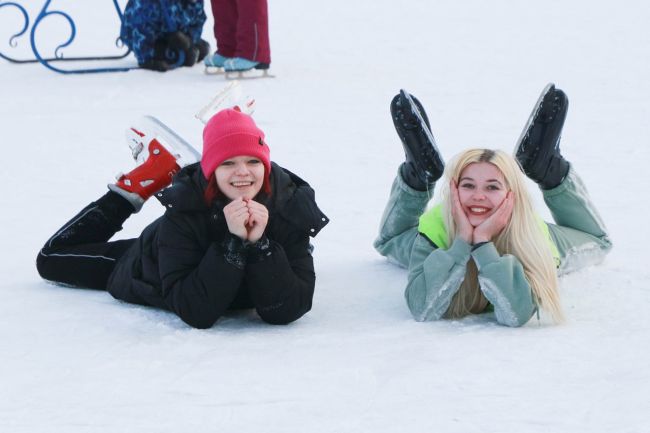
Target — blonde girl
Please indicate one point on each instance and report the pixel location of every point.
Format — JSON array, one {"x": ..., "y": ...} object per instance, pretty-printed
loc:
[{"x": 482, "y": 247}]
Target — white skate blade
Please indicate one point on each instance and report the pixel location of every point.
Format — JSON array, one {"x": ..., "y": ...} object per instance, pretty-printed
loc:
[
  {"x": 152, "y": 128},
  {"x": 231, "y": 96},
  {"x": 533, "y": 115},
  {"x": 251, "y": 74},
  {"x": 213, "y": 70}
]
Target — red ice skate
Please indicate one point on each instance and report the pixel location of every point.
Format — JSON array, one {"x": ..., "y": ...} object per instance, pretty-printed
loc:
[{"x": 160, "y": 154}]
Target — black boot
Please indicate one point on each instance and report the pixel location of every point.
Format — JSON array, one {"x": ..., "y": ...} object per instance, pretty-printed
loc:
[
  {"x": 156, "y": 65},
  {"x": 204, "y": 49},
  {"x": 159, "y": 62},
  {"x": 169, "y": 48},
  {"x": 423, "y": 165},
  {"x": 191, "y": 56},
  {"x": 538, "y": 149}
]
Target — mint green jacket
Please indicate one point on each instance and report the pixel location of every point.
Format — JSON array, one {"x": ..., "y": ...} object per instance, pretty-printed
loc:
[{"x": 435, "y": 272}]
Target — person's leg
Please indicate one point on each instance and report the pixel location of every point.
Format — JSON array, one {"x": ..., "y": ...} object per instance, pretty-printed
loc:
[
  {"x": 191, "y": 17},
  {"x": 399, "y": 223},
  {"x": 253, "y": 31},
  {"x": 142, "y": 28},
  {"x": 79, "y": 253},
  {"x": 415, "y": 180},
  {"x": 225, "y": 17},
  {"x": 579, "y": 232}
]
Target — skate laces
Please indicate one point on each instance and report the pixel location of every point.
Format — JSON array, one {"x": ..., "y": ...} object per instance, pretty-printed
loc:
[
  {"x": 406, "y": 115},
  {"x": 239, "y": 64},
  {"x": 135, "y": 139},
  {"x": 550, "y": 109}
]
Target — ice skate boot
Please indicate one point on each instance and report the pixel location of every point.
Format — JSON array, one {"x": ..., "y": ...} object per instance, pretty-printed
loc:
[
  {"x": 538, "y": 148},
  {"x": 204, "y": 49},
  {"x": 159, "y": 153},
  {"x": 214, "y": 64},
  {"x": 423, "y": 165}
]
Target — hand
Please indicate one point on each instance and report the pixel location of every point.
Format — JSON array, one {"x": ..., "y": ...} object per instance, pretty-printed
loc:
[
  {"x": 237, "y": 216},
  {"x": 464, "y": 228},
  {"x": 496, "y": 222},
  {"x": 257, "y": 220}
]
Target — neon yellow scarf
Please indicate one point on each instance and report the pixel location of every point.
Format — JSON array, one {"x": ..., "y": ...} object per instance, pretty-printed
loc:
[{"x": 432, "y": 225}]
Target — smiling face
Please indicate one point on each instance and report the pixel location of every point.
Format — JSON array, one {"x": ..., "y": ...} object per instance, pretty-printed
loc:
[
  {"x": 481, "y": 189},
  {"x": 240, "y": 176}
]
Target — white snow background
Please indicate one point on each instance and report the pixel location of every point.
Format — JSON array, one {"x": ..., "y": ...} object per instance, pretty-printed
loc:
[{"x": 74, "y": 360}]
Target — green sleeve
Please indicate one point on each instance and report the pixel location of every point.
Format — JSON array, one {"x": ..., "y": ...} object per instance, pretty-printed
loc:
[
  {"x": 504, "y": 284},
  {"x": 435, "y": 275}
]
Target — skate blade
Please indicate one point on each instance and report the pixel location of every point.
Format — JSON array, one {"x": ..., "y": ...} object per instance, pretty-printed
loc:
[
  {"x": 251, "y": 74},
  {"x": 533, "y": 115},
  {"x": 213, "y": 70},
  {"x": 155, "y": 129},
  {"x": 231, "y": 96}
]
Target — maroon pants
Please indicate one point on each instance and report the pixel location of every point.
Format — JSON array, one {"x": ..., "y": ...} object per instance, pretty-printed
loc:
[{"x": 241, "y": 28}]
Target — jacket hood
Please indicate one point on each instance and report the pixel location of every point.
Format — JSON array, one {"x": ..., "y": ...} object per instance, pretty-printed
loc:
[
  {"x": 295, "y": 201},
  {"x": 186, "y": 191}
]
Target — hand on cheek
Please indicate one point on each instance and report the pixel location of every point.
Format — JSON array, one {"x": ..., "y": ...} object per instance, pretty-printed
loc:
[
  {"x": 493, "y": 225},
  {"x": 464, "y": 228}
]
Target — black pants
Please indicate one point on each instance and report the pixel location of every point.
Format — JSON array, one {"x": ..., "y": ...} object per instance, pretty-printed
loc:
[{"x": 79, "y": 253}]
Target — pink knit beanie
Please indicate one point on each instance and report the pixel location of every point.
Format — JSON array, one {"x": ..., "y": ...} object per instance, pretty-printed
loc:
[{"x": 231, "y": 133}]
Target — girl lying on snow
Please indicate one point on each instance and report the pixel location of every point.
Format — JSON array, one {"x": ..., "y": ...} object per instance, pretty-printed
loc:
[
  {"x": 235, "y": 233},
  {"x": 483, "y": 246}
]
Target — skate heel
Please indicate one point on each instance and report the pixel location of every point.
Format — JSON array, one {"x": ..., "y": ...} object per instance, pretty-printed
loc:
[
  {"x": 214, "y": 64},
  {"x": 213, "y": 70},
  {"x": 251, "y": 74},
  {"x": 154, "y": 173}
]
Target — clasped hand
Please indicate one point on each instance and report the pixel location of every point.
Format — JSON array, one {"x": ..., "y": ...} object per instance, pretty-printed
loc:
[
  {"x": 246, "y": 219},
  {"x": 488, "y": 228}
]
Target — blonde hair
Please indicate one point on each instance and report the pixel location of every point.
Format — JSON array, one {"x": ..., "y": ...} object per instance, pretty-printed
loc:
[{"x": 521, "y": 238}]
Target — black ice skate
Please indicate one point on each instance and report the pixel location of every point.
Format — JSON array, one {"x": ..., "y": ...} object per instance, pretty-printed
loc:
[
  {"x": 538, "y": 148},
  {"x": 423, "y": 165}
]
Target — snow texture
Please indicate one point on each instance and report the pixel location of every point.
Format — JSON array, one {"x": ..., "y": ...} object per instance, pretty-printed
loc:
[{"x": 77, "y": 360}]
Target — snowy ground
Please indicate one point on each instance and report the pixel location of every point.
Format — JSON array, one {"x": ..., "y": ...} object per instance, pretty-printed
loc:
[{"x": 78, "y": 360}]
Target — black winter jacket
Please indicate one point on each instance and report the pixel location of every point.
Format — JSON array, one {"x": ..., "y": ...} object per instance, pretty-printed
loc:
[{"x": 188, "y": 262}]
